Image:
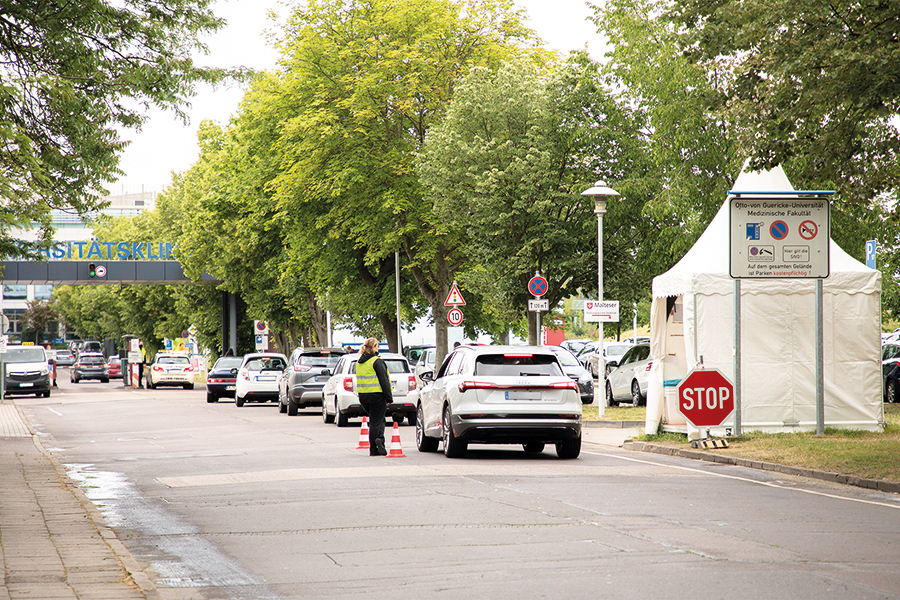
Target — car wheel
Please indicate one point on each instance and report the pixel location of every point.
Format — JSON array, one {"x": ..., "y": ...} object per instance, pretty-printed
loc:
[
  {"x": 292, "y": 407},
  {"x": 610, "y": 401},
  {"x": 533, "y": 447},
  {"x": 423, "y": 442},
  {"x": 593, "y": 370},
  {"x": 104, "y": 381},
  {"x": 47, "y": 394},
  {"x": 891, "y": 392},
  {"x": 341, "y": 419},
  {"x": 282, "y": 407},
  {"x": 569, "y": 448},
  {"x": 74, "y": 380},
  {"x": 211, "y": 398},
  {"x": 238, "y": 400},
  {"x": 453, "y": 447},
  {"x": 325, "y": 416},
  {"x": 412, "y": 418},
  {"x": 189, "y": 386},
  {"x": 636, "y": 398}
]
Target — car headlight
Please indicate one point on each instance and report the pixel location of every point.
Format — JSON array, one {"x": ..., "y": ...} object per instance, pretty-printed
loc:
[
  {"x": 586, "y": 377},
  {"x": 45, "y": 371}
]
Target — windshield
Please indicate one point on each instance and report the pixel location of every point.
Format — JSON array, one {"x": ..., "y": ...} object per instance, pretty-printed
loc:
[
  {"x": 229, "y": 362},
  {"x": 266, "y": 363},
  {"x": 173, "y": 360},
  {"x": 25, "y": 355},
  {"x": 566, "y": 358},
  {"x": 617, "y": 349},
  {"x": 394, "y": 365},
  {"x": 517, "y": 365},
  {"x": 92, "y": 360}
]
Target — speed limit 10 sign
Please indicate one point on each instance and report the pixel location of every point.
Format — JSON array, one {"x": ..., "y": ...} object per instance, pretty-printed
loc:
[{"x": 455, "y": 316}]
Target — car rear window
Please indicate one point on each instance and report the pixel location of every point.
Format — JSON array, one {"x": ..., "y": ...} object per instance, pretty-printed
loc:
[
  {"x": 173, "y": 360},
  {"x": 517, "y": 365},
  {"x": 316, "y": 359},
  {"x": 394, "y": 365},
  {"x": 92, "y": 360},
  {"x": 274, "y": 363}
]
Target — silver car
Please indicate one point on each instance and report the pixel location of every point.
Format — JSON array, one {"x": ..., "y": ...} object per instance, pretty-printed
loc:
[{"x": 628, "y": 382}]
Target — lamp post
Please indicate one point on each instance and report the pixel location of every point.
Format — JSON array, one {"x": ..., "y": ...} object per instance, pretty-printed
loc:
[{"x": 600, "y": 192}]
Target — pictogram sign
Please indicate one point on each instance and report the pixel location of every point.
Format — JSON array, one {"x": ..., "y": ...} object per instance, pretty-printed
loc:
[{"x": 454, "y": 298}]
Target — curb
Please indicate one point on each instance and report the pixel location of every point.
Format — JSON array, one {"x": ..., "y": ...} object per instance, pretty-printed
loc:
[
  {"x": 128, "y": 562},
  {"x": 613, "y": 424},
  {"x": 881, "y": 485}
]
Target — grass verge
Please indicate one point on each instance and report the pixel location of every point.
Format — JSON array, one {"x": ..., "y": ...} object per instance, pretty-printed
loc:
[{"x": 860, "y": 453}]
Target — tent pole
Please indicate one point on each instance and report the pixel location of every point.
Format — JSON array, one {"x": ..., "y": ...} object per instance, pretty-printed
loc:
[
  {"x": 737, "y": 357},
  {"x": 820, "y": 361}
]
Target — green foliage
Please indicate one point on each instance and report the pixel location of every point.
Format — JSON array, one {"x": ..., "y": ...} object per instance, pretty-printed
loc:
[{"x": 76, "y": 75}]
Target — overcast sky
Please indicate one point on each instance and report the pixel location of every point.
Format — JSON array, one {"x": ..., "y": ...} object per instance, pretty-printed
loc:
[{"x": 165, "y": 145}]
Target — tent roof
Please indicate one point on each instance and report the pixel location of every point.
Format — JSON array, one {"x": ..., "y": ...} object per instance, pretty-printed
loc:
[{"x": 710, "y": 254}]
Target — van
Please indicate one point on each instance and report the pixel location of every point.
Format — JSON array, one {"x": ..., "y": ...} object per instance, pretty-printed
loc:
[
  {"x": 92, "y": 346},
  {"x": 27, "y": 371}
]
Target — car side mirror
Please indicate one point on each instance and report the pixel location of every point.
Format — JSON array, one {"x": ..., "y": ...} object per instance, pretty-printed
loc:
[
  {"x": 326, "y": 372},
  {"x": 427, "y": 376},
  {"x": 234, "y": 371}
]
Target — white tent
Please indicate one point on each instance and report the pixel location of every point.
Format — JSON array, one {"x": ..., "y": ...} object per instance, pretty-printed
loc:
[{"x": 778, "y": 387}]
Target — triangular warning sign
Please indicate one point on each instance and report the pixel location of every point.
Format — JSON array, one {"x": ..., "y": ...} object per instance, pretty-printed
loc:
[{"x": 454, "y": 298}]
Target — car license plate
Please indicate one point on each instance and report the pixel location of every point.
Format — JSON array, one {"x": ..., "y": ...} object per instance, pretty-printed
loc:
[
  {"x": 321, "y": 378},
  {"x": 523, "y": 395},
  {"x": 229, "y": 388},
  {"x": 265, "y": 379},
  {"x": 26, "y": 384}
]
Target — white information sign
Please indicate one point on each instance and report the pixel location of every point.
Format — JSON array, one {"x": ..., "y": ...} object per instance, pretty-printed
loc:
[
  {"x": 779, "y": 238},
  {"x": 538, "y": 305},
  {"x": 606, "y": 311}
]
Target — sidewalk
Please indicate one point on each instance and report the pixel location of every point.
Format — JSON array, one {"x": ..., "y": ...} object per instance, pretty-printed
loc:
[{"x": 54, "y": 543}]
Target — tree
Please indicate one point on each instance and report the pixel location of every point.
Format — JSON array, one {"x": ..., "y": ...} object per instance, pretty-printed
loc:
[
  {"x": 812, "y": 84},
  {"x": 37, "y": 316},
  {"x": 508, "y": 165},
  {"x": 369, "y": 79}
]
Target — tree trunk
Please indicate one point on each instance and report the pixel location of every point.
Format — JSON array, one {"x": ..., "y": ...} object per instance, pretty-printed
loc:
[{"x": 389, "y": 325}]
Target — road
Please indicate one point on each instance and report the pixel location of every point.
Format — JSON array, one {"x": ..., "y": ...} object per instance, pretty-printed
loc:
[{"x": 220, "y": 502}]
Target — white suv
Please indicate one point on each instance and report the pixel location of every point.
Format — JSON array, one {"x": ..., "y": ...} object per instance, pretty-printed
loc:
[
  {"x": 499, "y": 395},
  {"x": 340, "y": 402}
]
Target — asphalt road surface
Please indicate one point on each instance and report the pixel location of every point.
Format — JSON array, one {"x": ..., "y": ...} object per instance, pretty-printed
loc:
[{"x": 220, "y": 502}]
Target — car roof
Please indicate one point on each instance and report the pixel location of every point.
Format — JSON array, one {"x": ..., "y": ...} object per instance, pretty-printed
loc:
[
  {"x": 382, "y": 355},
  {"x": 261, "y": 354},
  {"x": 481, "y": 350}
]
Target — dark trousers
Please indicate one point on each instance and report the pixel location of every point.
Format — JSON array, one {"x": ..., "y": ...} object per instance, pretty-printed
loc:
[{"x": 375, "y": 406}]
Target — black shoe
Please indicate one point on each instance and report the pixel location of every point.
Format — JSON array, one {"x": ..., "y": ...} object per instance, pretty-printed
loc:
[{"x": 379, "y": 448}]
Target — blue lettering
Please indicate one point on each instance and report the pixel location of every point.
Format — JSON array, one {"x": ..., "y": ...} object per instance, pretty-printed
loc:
[
  {"x": 80, "y": 248},
  {"x": 124, "y": 250},
  {"x": 168, "y": 254},
  {"x": 59, "y": 251},
  {"x": 150, "y": 251},
  {"x": 69, "y": 250},
  {"x": 95, "y": 249},
  {"x": 138, "y": 250},
  {"x": 109, "y": 249}
]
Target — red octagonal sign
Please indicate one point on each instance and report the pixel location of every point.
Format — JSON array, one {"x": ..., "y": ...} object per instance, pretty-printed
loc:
[{"x": 705, "y": 398}]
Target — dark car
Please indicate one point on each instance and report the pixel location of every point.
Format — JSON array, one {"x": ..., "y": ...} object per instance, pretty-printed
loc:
[
  {"x": 221, "y": 379},
  {"x": 576, "y": 371},
  {"x": 890, "y": 365},
  {"x": 90, "y": 365},
  {"x": 302, "y": 382}
]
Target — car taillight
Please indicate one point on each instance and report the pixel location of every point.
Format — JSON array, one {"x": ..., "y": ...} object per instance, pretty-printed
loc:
[
  {"x": 77, "y": 365},
  {"x": 649, "y": 364},
  {"x": 158, "y": 368},
  {"x": 412, "y": 382},
  {"x": 302, "y": 368},
  {"x": 566, "y": 385},
  {"x": 348, "y": 384},
  {"x": 245, "y": 373},
  {"x": 189, "y": 369},
  {"x": 518, "y": 354},
  {"x": 474, "y": 385}
]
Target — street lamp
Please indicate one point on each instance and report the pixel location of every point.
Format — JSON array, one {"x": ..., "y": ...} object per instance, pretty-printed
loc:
[{"x": 600, "y": 192}]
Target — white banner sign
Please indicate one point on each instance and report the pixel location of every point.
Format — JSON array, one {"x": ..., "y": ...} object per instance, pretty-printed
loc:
[{"x": 606, "y": 311}]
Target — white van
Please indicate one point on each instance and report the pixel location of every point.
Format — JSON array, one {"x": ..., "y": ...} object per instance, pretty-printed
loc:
[{"x": 27, "y": 371}]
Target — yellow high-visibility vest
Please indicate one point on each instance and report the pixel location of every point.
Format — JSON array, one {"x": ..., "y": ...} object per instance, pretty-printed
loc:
[{"x": 366, "y": 379}]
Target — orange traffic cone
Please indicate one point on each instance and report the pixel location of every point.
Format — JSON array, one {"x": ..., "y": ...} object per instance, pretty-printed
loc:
[
  {"x": 363, "y": 435},
  {"x": 396, "y": 450}
]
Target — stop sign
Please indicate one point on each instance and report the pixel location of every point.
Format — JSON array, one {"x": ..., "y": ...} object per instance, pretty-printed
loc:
[{"x": 705, "y": 398}]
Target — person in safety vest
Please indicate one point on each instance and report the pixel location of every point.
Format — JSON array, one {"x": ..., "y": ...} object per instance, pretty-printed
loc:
[{"x": 373, "y": 384}]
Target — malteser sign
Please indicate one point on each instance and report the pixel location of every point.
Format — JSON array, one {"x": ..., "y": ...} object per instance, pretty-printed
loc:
[{"x": 772, "y": 238}]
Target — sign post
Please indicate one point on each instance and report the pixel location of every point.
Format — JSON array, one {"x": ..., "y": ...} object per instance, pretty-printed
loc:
[{"x": 537, "y": 287}]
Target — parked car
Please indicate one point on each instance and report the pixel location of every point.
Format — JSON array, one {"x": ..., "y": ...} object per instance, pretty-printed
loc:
[
  {"x": 576, "y": 371},
  {"x": 340, "y": 403},
  {"x": 890, "y": 366},
  {"x": 221, "y": 379},
  {"x": 170, "y": 368},
  {"x": 27, "y": 371},
  {"x": 115, "y": 367},
  {"x": 413, "y": 353},
  {"x": 65, "y": 358},
  {"x": 257, "y": 379},
  {"x": 499, "y": 395},
  {"x": 302, "y": 382},
  {"x": 636, "y": 340},
  {"x": 584, "y": 355},
  {"x": 574, "y": 346},
  {"x": 425, "y": 363},
  {"x": 628, "y": 381},
  {"x": 90, "y": 365},
  {"x": 613, "y": 353}
]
